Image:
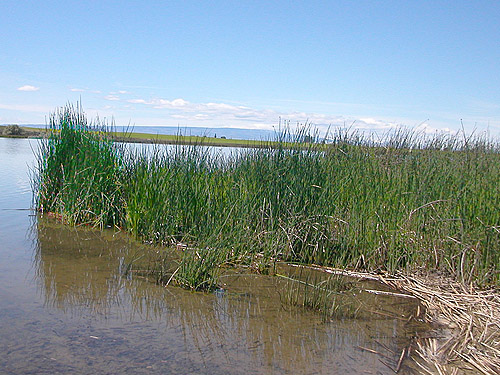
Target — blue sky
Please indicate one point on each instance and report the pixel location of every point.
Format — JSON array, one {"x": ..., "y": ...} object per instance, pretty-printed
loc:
[{"x": 377, "y": 64}]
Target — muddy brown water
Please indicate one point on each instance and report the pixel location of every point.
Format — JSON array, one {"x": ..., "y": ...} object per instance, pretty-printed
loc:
[{"x": 67, "y": 308}]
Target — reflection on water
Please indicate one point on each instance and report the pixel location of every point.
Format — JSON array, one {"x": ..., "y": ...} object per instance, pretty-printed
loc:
[
  {"x": 78, "y": 268},
  {"x": 66, "y": 308},
  {"x": 79, "y": 272}
]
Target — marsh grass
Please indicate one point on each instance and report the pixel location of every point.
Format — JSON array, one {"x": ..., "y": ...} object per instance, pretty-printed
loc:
[
  {"x": 332, "y": 297},
  {"x": 401, "y": 201},
  {"x": 193, "y": 269},
  {"x": 79, "y": 169},
  {"x": 200, "y": 269}
]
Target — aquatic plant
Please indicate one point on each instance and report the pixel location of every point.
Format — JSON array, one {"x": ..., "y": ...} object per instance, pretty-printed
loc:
[
  {"x": 193, "y": 269},
  {"x": 332, "y": 296},
  {"x": 397, "y": 201},
  {"x": 78, "y": 172},
  {"x": 199, "y": 269}
]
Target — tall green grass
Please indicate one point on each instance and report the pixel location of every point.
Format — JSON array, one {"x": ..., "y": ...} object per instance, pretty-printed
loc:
[
  {"x": 79, "y": 171},
  {"x": 402, "y": 201}
]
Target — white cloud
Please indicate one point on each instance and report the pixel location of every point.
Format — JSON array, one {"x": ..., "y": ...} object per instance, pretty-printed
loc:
[
  {"x": 208, "y": 114},
  {"x": 112, "y": 97},
  {"x": 220, "y": 114},
  {"x": 28, "y": 88},
  {"x": 137, "y": 101},
  {"x": 371, "y": 123},
  {"x": 86, "y": 89}
]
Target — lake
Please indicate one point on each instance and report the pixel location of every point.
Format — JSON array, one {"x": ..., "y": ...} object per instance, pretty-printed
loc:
[{"x": 68, "y": 307}]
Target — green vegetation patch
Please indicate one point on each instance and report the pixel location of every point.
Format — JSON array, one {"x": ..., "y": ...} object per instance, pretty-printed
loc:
[{"x": 402, "y": 202}]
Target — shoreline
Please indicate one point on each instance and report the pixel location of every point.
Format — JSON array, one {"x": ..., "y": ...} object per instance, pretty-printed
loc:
[{"x": 147, "y": 138}]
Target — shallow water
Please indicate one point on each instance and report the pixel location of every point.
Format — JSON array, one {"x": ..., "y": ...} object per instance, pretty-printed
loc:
[{"x": 65, "y": 308}]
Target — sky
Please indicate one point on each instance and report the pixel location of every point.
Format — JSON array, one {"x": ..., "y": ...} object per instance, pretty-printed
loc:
[{"x": 430, "y": 65}]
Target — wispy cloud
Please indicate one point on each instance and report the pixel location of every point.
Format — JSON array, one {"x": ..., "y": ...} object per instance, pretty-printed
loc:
[
  {"x": 112, "y": 97},
  {"x": 426, "y": 128},
  {"x": 179, "y": 111},
  {"x": 225, "y": 114},
  {"x": 77, "y": 89},
  {"x": 28, "y": 88}
]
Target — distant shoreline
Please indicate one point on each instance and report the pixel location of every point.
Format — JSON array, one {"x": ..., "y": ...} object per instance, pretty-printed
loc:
[
  {"x": 38, "y": 133},
  {"x": 15, "y": 131}
]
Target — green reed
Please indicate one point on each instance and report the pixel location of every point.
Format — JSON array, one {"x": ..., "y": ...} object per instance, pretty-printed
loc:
[
  {"x": 78, "y": 172},
  {"x": 332, "y": 296},
  {"x": 193, "y": 269},
  {"x": 395, "y": 202}
]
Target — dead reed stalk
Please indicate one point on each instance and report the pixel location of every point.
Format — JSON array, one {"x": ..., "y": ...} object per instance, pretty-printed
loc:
[{"x": 467, "y": 322}]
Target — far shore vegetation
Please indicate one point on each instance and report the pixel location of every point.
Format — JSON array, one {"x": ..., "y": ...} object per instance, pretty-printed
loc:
[
  {"x": 17, "y": 131},
  {"x": 404, "y": 203}
]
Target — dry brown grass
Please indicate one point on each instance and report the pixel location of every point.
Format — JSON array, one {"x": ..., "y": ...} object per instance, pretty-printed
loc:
[
  {"x": 467, "y": 322},
  {"x": 465, "y": 338}
]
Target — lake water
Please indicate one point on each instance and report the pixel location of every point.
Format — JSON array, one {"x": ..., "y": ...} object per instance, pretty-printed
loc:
[{"x": 65, "y": 308}]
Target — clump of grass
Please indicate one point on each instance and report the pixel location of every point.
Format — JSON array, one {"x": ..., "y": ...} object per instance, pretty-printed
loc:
[
  {"x": 79, "y": 171},
  {"x": 193, "y": 269},
  {"x": 331, "y": 297},
  {"x": 199, "y": 269}
]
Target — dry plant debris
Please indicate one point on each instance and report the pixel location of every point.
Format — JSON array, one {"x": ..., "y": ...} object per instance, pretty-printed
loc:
[{"x": 467, "y": 319}]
